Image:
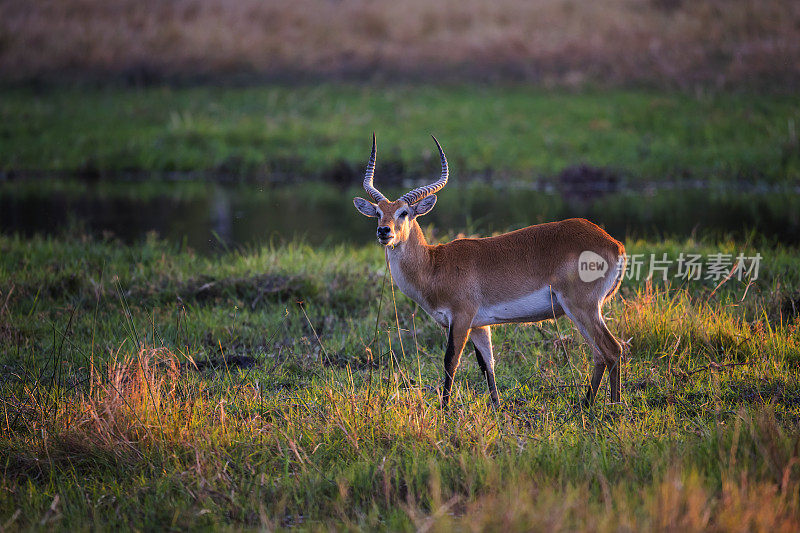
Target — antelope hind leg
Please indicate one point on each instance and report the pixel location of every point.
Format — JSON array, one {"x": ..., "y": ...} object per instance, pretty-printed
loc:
[{"x": 482, "y": 340}]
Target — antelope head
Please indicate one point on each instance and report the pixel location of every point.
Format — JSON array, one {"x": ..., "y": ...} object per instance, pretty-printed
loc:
[{"x": 395, "y": 218}]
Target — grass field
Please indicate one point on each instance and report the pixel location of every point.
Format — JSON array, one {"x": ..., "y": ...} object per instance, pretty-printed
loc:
[
  {"x": 143, "y": 387},
  {"x": 322, "y": 131}
]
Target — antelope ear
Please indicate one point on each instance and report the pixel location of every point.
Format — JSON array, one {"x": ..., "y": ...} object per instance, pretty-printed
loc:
[
  {"x": 424, "y": 206},
  {"x": 365, "y": 208}
]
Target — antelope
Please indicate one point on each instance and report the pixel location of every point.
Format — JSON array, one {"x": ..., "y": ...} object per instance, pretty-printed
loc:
[{"x": 528, "y": 275}]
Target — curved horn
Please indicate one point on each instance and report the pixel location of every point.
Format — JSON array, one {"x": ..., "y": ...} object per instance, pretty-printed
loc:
[
  {"x": 426, "y": 190},
  {"x": 370, "y": 175}
]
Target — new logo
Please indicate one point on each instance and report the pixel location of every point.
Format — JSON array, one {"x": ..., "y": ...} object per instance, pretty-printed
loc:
[{"x": 591, "y": 266}]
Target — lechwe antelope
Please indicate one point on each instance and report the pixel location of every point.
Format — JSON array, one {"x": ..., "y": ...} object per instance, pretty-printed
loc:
[{"x": 570, "y": 267}]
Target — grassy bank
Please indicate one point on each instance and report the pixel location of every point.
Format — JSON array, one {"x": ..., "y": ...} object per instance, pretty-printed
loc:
[
  {"x": 323, "y": 132},
  {"x": 144, "y": 386}
]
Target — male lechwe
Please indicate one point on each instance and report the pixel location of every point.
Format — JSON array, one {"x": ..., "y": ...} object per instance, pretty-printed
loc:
[{"x": 541, "y": 272}]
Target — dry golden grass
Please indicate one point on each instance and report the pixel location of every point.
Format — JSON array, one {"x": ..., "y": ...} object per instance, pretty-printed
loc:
[{"x": 565, "y": 41}]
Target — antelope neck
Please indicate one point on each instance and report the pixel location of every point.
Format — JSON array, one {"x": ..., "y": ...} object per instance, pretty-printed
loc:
[{"x": 410, "y": 259}]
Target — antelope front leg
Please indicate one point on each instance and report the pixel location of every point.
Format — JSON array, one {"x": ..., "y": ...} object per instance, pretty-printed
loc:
[{"x": 456, "y": 339}]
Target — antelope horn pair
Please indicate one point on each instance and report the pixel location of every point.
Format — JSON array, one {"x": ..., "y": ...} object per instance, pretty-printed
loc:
[{"x": 414, "y": 195}]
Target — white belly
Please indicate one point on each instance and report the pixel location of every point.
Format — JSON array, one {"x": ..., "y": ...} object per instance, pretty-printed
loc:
[
  {"x": 532, "y": 307},
  {"x": 529, "y": 308}
]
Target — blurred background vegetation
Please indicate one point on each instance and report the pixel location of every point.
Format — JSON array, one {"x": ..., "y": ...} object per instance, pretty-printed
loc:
[
  {"x": 663, "y": 43},
  {"x": 595, "y": 106}
]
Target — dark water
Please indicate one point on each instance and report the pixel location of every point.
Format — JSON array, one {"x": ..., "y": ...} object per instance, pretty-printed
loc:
[{"x": 209, "y": 218}]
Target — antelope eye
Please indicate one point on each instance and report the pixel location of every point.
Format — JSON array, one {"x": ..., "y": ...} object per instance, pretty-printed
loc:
[{"x": 402, "y": 214}]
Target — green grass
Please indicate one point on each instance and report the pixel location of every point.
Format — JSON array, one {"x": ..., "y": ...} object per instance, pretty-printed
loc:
[
  {"x": 324, "y": 130},
  {"x": 107, "y": 422}
]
